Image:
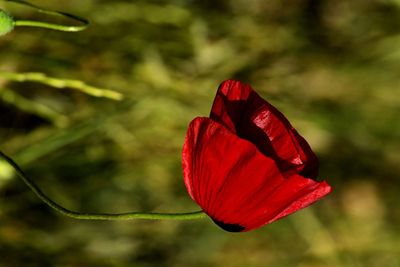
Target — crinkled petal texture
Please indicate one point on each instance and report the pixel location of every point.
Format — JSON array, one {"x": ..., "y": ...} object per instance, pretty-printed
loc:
[
  {"x": 246, "y": 114},
  {"x": 237, "y": 185}
]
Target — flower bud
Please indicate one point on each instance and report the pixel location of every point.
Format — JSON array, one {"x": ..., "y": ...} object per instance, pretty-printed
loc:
[{"x": 6, "y": 22}]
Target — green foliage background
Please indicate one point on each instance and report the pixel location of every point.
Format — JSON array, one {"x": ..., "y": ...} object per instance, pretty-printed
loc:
[{"x": 332, "y": 67}]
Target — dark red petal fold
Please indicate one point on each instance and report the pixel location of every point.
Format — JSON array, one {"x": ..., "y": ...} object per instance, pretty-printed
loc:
[
  {"x": 239, "y": 187},
  {"x": 246, "y": 114}
]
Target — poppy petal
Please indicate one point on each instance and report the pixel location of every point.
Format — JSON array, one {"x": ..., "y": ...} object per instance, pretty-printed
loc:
[
  {"x": 294, "y": 194},
  {"x": 235, "y": 184},
  {"x": 246, "y": 114}
]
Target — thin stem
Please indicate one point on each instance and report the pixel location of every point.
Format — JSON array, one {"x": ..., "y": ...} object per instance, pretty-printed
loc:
[
  {"x": 61, "y": 84},
  {"x": 48, "y": 25},
  {"x": 99, "y": 216}
]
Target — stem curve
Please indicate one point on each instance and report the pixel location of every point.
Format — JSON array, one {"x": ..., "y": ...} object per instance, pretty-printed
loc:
[
  {"x": 41, "y": 24},
  {"x": 98, "y": 216}
]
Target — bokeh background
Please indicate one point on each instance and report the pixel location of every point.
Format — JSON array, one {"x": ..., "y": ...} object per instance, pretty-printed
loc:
[{"x": 332, "y": 67}]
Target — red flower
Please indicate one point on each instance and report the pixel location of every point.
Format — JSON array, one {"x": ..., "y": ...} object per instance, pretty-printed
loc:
[{"x": 246, "y": 166}]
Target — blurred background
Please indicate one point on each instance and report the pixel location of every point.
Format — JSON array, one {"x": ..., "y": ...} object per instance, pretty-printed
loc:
[{"x": 332, "y": 67}]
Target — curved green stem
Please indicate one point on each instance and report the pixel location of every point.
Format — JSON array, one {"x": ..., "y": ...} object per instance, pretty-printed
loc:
[
  {"x": 48, "y": 25},
  {"x": 99, "y": 216}
]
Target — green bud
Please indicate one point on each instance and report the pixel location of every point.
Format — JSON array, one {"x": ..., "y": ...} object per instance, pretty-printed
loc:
[{"x": 6, "y": 22}]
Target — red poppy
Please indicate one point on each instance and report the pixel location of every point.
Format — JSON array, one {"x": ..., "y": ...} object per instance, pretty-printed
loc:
[{"x": 245, "y": 165}]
